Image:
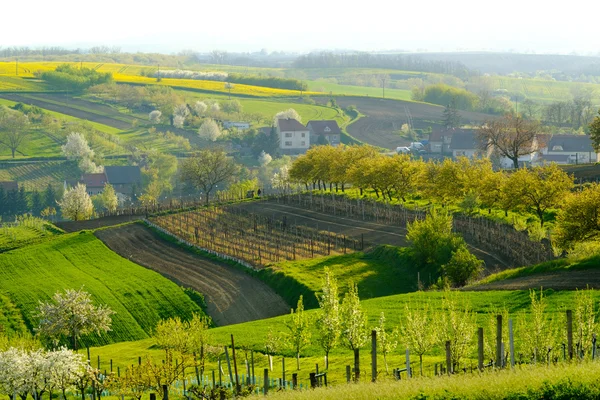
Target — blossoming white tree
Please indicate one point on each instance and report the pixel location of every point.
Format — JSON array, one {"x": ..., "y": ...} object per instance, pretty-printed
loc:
[
  {"x": 209, "y": 130},
  {"x": 155, "y": 116},
  {"x": 264, "y": 158},
  {"x": 281, "y": 179},
  {"x": 289, "y": 113},
  {"x": 354, "y": 326},
  {"x": 72, "y": 314},
  {"x": 200, "y": 107},
  {"x": 178, "y": 121},
  {"x": 215, "y": 108},
  {"x": 77, "y": 147},
  {"x": 328, "y": 320},
  {"x": 76, "y": 204}
]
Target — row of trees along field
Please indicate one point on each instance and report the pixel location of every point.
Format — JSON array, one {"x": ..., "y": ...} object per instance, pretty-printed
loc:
[
  {"x": 470, "y": 183},
  {"x": 69, "y": 77},
  {"x": 19, "y": 202}
]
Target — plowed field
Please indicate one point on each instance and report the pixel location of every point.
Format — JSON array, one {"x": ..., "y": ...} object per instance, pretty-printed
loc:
[{"x": 232, "y": 296}]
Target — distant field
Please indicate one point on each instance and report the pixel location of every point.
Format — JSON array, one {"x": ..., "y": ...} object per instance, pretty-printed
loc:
[
  {"x": 335, "y": 89},
  {"x": 12, "y": 84},
  {"x": 139, "y": 297},
  {"x": 37, "y": 175},
  {"x": 12, "y": 237}
]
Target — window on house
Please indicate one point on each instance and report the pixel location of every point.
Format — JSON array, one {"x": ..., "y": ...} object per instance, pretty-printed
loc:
[
  {"x": 303, "y": 134},
  {"x": 302, "y": 143},
  {"x": 288, "y": 144},
  {"x": 288, "y": 134}
]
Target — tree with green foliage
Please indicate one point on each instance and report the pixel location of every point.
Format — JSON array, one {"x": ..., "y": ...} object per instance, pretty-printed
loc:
[
  {"x": 457, "y": 326},
  {"x": 109, "y": 198},
  {"x": 37, "y": 203},
  {"x": 540, "y": 336},
  {"x": 328, "y": 319},
  {"x": 72, "y": 314},
  {"x": 299, "y": 334},
  {"x": 50, "y": 196},
  {"x": 584, "y": 321},
  {"x": 539, "y": 189},
  {"x": 451, "y": 116},
  {"x": 594, "y": 128},
  {"x": 354, "y": 332},
  {"x": 13, "y": 129},
  {"x": 207, "y": 169},
  {"x": 463, "y": 267},
  {"x": 432, "y": 240},
  {"x": 22, "y": 205},
  {"x": 579, "y": 218},
  {"x": 417, "y": 332},
  {"x": 272, "y": 345},
  {"x": 386, "y": 341},
  {"x": 3, "y": 202},
  {"x": 69, "y": 77}
]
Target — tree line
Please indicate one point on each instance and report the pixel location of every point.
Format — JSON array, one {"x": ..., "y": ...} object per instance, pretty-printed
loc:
[{"x": 68, "y": 77}]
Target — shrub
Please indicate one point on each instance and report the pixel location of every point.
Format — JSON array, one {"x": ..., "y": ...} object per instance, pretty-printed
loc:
[{"x": 462, "y": 267}]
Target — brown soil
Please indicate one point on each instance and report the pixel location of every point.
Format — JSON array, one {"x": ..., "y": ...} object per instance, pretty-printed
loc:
[
  {"x": 232, "y": 296},
  {"x": 564, "y": 280},
  {"x": 74, "y": 226},
  {"x": 384, "y": 117}
]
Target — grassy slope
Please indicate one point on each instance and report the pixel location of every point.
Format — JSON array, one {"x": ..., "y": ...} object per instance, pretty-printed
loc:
[
  {"x": 348, "y": 90},
  {"x": 21, "y": 235},
  {"x": 563, "y": 264},
  {"x": 139, "y": 296},
  {"x": 11, "y": 320},
  {"x": 382, "y": 272}
]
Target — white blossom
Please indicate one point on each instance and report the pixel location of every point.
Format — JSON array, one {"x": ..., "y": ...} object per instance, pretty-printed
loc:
[
  {"x": 155, "y": 116},
  {"x": 264, "y": 159},
  {"x": 76, "y": 204},
  {"x": 181, "y": 110},
  {"x": 215, "y": 108},
  {"x": 77, "y": 147},
  {"x": 209, "y": 130},
  {"x": 178, "y": 121},
  {"x": 289, "y": 113},
  {"x": 200, "y": 107},
  {"x": 87, "y": 166}
]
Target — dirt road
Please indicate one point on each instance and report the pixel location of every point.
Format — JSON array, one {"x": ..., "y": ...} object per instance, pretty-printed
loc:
[
  {"x": 232, "y": 296},
  {"x": 563, "y": 280}
]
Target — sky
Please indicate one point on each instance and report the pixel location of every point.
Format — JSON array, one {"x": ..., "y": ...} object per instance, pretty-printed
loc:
[{"x": 244, "y": 25}]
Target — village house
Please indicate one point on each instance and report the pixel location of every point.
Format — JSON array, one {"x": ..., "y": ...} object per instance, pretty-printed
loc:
[
  {"x": 439, "y": 141},
  {"x": 124, "y": 178},
  {"x": 465, "y": 144},
  {"x": 324, "y": 131},
  {"x": 94, "y": 183},
  {"x": 294, "y": 138},
  {"x": 569, "y": 149}
]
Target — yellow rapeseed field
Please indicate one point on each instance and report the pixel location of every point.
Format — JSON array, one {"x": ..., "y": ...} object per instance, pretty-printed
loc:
[{"x": 132, "y": 74}]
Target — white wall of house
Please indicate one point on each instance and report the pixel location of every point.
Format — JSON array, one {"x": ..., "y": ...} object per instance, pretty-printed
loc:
[
  {"x": 435, "y": 147},
  {"x": 294, "y": 140},
  {"x": 507, "y": 163},
  {"x": 577, "y": 157},
  {"x": 469, "y": 153}
]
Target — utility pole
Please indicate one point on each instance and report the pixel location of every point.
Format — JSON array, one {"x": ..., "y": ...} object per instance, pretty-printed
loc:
[
  {"x": 17, "y": 67},
  {"x": 158, "y": 74}
]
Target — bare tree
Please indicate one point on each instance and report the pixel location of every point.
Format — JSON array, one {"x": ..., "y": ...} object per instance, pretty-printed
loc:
[
  {"x": 13, "y": 129},
  {"x": 511, "y": 136},
  {"x": 207, "y": 169}
]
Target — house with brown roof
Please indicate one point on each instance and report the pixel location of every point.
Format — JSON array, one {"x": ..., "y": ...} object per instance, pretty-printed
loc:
[
  {"x": 465, "y": 144},
  {"x": 94, "y": 183},
  {"x": 439, "y": 141},
  {"x": 294, "y": 138},
  {"x": 577, "y": 148},
  {"x": 124, "y": 178},
  {"x": 324, "y": 131}
]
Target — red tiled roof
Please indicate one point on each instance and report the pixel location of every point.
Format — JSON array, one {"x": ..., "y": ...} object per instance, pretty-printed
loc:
[{"x": 94, "y": 180}]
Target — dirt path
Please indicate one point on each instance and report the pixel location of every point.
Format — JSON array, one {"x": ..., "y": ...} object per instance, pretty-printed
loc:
[
  {"x": 232, "y": 296},
  {"x": 563, "y": 280},
  {"x": 74, "y": 112},
  {"x": 372, "y": 232}
]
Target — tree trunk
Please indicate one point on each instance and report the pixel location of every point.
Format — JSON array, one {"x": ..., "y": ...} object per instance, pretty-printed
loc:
[
  {"x": 326, "y": 360},
  {"x": 376, "y": 192},
  {"x": 298, "y": 361},
  {"x": 515, "y": 162},
  {"x": 356, "y": 365},
  {"x": 330, "y": 186},
  {"x": 13, "y": 152},
  {"x": 361, "y": 191},
  {"x": 207, "y": 196},
  {"x": 271, "y": 362},
  {"x": 343, "y": 188},
  {"x": 385, "y": 363},
  {"x": 421, "y": 363},
  {"x": 74, "y": 340},
  {"x": 540, "y": 214}
]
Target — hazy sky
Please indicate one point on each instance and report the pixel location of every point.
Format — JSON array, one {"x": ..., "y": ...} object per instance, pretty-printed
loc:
[{"x": 246, "y": 25}]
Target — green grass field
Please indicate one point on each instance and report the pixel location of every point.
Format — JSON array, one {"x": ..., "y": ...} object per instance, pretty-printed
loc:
[
  {"x": 139, "y": 297},
  {"x": 348, "y": 90},
  {"x": 385, "y": 271},
  {"x": 26, "y": 231},
  {"x": 16, "y": 84}
]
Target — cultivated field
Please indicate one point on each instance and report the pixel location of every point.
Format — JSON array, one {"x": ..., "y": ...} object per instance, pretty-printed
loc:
[
  {"x": 232, "y": 296},
  {"x": 37, "y": 174},
  {"x": 139, "y": 297},
  {"x": 384, "y": 118}
]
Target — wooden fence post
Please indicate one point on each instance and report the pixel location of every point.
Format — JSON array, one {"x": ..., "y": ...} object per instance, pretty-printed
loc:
[
  {"x": 570, "y": 333},
  {"x": 511, "y": 340},
  {"x": 152, "y": 396},
  {"x": 313, "y": 380},
  {"x": 373, "y": 355},
  {"x": 165, "y": 389},
  {"x": 266, "y": 380},
  {"x": 480, "y": 349},
  {"x": 348, "y": 374},
  {"x": 408, "y": 371},
  {"x": 448, "y": 358},
  {"x": 295, "y": 381},
  {"x": 283, "y": 369},
  {"x": 499, "y": 355},
  {"x": 237, "y": 381},
  {"x": 228, "y": 365}
]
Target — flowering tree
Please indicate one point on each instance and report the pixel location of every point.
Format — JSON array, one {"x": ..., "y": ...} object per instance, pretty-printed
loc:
[
  {"x": 328, "y": 320},
  {"x": 109, "y": 198},
  {"x": 200, "y": 107},
  {"x": 72, "y": 314},
  {"x": 209, "y": 130},
  {"x": 289, "y": 113},
  {"x": 281, "y": 179},
  {"x": 12, "y": 371},
  {"x": 87, "y": 166},
  {"x": 386, "y": 341},
  {"x": 77, "y": 147},
  {"x": 155, "y": 116},
  {"x": 272, "y": 344},
  {"x": 354, "y": 326},
  {"x": 181, "y": 110},
  {"x": 264, "y": 159},
  {"x": 178, "y": 121},
  {"x": 417, "y": 332},
  {"x": 215, "y": 108},
  {"x": 299, "y": 334},
  {"x": 76, "y": 204}
]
